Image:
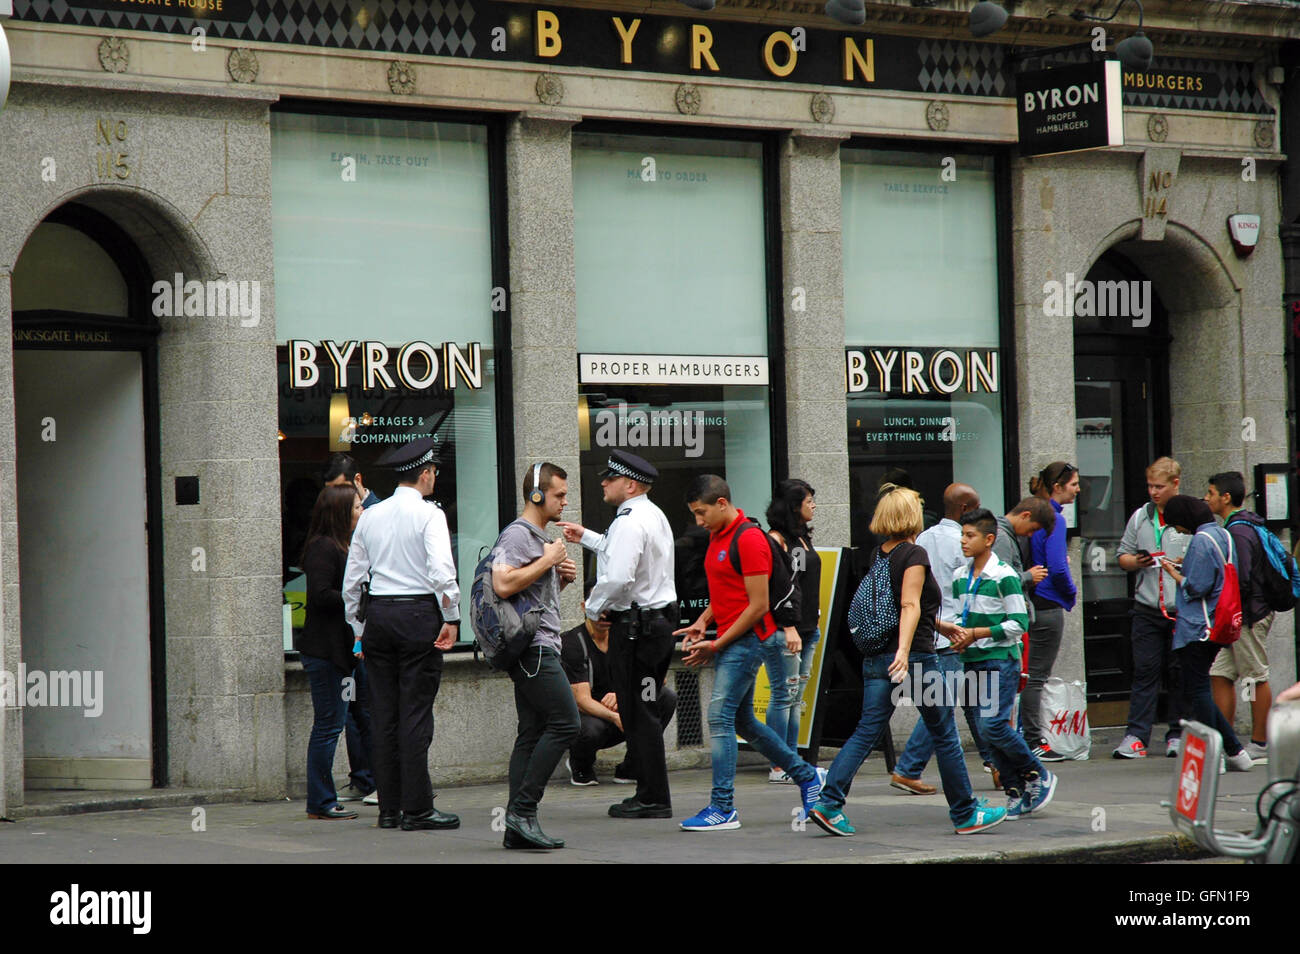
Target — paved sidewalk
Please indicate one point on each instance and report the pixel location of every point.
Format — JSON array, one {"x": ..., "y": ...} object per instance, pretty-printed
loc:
[{"x": 1104, "y": 810}]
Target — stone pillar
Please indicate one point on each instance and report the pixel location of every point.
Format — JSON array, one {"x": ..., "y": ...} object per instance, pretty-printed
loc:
[
  {"x": 11, "y": 716},
  {"x": 1044, "y": 354},
  {"x": 544, "y": 306},
  {"x": 813, "y": 311}
]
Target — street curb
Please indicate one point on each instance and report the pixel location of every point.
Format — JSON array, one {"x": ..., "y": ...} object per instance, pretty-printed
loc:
[
  {"x": 1168, "y": 847},
  {"x": 130, "y": 802}
]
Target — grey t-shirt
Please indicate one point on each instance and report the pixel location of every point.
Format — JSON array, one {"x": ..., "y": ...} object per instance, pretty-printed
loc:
[
  {"x": 520, "y": 544},
  {"x": 1140, "y": 534}
]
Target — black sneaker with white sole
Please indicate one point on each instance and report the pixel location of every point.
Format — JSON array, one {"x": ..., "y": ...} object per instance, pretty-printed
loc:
[{"x": 581, "y": 777}]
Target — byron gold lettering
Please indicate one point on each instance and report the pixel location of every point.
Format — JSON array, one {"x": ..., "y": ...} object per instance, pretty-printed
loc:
[
  {"x": 791, "y": 56},
  {"x": 701, "y": 45},
  {"x": 864, "y": 62},
  {"x": 547, "y": 38},
  {"x": 625, "y": 35}
]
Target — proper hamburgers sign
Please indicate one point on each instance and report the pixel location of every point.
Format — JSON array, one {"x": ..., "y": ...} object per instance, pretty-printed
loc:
[{"x": 1070, "y": 108}]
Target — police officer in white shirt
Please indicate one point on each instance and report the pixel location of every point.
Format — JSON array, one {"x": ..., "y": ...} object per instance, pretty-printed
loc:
[
  {"x": 402, "y": 548},
  {"x": 635, "y": 591}
]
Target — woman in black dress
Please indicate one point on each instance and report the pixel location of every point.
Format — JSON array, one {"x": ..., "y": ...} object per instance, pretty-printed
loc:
[{"x": 326, "y": 641}]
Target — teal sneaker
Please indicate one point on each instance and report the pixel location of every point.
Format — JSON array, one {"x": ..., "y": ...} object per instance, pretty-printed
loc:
[
  {"x": 830, "y": 819},
  {"x": 982, "y": 818}
]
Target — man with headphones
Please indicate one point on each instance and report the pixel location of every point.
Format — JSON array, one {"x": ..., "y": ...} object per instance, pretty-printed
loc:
[
  {"x": 526, "y": 560},
  {"x": 635, "y": 591}
]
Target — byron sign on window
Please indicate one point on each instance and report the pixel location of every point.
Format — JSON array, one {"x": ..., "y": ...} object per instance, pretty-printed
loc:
[{"x": 1070, "y": 108}]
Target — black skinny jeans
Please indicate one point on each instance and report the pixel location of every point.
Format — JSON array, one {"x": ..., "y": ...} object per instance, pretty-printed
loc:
[{"x": 548, "y": 724}]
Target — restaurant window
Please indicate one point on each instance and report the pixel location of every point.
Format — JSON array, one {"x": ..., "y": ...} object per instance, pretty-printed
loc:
[
  {"x": 671, "y": 258},
  {"x": 384, "y": 321},
  {"x": 924, "y": 370}
]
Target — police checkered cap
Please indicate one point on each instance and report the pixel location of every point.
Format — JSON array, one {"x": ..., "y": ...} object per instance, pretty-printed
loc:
[
  {"x": 623, "y": 464},
  {"x": 418, "y": 453}
]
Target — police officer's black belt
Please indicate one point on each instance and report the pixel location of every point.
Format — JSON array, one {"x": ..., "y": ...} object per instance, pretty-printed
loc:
[
  {"x": 422, "y": 598},
  {"x": 668, "y": 612}
]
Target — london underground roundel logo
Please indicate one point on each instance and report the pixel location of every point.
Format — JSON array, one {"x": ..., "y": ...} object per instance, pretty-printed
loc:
[{"x": 1189, "y": 788}]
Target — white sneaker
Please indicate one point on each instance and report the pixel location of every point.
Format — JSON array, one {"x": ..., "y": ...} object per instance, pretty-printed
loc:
[
  {"x": 371, "y": 799},
  {"x": 779, "y": 775},
  {"x": 1173, "y": 747},
  {"x": 1241, "y": 762},
  {"x": 1257, "y": 753}
]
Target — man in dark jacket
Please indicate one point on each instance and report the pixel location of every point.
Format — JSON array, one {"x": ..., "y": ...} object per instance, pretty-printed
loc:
[{"x": 1247, "y": 658}]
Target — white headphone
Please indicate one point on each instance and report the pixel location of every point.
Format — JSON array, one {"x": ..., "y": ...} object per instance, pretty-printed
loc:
[{"x": 537, "y": 495}]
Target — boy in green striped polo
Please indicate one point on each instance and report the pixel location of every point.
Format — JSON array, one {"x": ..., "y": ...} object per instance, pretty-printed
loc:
[{"x": 993, "y": 618}]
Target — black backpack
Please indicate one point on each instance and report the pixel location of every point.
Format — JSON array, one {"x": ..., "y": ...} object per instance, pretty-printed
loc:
[{"x": 784, "y": 600}]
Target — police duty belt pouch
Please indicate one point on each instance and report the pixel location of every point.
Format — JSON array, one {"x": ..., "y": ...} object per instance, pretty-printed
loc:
[
  {"x": 1224, "y": 627},
  {"x": 873, "y": 613},
  {"x": 504, "y": 628},
  {"x": 1277, "y": 575},
  {"x": 784, "y": 596}
]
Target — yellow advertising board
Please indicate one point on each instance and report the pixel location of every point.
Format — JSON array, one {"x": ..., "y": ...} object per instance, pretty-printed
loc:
[{"x": 831, "y": 558}]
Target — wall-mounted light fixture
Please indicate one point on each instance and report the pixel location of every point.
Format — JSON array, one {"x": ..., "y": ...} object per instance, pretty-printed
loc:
[
  {"x": 1134, "y": 53},
  {"x": 848, "y": 12}
]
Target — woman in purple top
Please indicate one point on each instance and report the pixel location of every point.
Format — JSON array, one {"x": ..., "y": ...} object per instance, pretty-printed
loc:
[{"x": 1057, "y": 483}]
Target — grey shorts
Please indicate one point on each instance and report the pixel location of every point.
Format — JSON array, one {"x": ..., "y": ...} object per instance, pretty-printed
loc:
[{"x": 1246, "y": 658}]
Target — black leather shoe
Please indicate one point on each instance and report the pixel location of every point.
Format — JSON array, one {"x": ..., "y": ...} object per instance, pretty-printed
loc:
[
  {"x": 635, "y": 809},
  {"x": 512, "y": 840},
  {"x": 530, "y": 831},
  {"x": 390, "y": 819},
  {"x": 335, "y": 811},
  {"x": 432, "y": 820}
]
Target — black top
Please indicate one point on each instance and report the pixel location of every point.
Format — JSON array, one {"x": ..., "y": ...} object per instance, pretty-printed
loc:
[
  {"x": 810, "y": 581},
  {"x": 326, "y": 635},
  {"x": 906, "y": 555},
  {"x": 583, "y": 662}
]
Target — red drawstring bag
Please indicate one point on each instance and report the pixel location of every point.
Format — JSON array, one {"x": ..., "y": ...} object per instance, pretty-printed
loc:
[{"x": 1225, "y": 627}]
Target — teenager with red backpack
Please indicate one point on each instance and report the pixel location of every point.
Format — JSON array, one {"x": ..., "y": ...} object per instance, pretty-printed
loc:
[
  {"x": 1209, "y": 613},
  {"x": 1246, "y": 659}
]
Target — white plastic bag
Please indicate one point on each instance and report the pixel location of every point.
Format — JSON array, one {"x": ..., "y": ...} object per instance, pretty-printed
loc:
[{"x": 1064, "y": 715}]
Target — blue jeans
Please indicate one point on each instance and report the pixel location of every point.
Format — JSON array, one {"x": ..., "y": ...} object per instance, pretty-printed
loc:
[
  {"x": 920, "y": 746},
  {"x": 877, "y": 708},
  {"x": 731, "y": 712},
  {"x": 782, "y": 668},
  {"x": 1011, "y": 754},
  {"x": 358, "y": 733},
  {"x": 330, "y": 712}
]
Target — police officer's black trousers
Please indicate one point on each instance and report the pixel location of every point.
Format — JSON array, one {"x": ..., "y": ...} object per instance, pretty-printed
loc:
[
  {"x": 405, "y": 671},
  {"x": 637, "y": 668}
]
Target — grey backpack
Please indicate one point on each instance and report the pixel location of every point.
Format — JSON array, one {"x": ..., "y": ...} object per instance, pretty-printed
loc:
[{"x": 504, "y": 628}]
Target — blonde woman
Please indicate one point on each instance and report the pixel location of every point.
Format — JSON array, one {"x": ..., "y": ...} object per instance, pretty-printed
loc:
[{"x": 908, "y": 652}]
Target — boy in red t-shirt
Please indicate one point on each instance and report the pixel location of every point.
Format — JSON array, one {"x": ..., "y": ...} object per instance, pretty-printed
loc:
[{"x": 739, "y": 604}]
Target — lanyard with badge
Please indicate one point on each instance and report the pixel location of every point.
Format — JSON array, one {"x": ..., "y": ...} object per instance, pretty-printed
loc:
[
  {"x": 970, "y": 593},
  {"x": 1159, "y": 529}
]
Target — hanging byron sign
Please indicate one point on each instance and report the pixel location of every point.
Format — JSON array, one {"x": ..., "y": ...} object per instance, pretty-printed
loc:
[
  {"x": 1070, "y": 108},
  {"x": 922, "y": 371}
]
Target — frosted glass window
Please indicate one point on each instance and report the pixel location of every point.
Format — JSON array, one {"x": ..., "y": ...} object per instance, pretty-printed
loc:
[
  {"x": 673, "y": 264},
  {"x": 920, "y": 253},
  {"x": 400, "y": 252}
]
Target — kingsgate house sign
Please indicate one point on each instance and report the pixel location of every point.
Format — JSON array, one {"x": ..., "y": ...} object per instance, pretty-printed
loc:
[
  {"x": 921, "y": 371},
  {"x": 417, "y": 365}
]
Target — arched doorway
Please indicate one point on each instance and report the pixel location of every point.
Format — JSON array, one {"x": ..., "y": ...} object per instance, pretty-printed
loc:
[
  {"x": 1122, "y": 421},
  {"x": 86, "y": 408}
]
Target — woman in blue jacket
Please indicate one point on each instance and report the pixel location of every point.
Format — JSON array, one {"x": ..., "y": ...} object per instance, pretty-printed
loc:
[
  {"x": 1053, "y": 597},
  {"x": 1200, "y": 581}
]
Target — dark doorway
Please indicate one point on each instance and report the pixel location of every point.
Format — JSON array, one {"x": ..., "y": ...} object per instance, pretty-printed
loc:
[{"x": 1121, "y": 400}]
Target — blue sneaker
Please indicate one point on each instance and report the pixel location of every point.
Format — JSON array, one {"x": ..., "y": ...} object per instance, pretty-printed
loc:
[
  {"x": 982, "y": 818},
  {"x": 712, "y": 819},
  {"x": 830, "y": 820},
  {"x": 811, "y": 791},
  {"x": 1015, "y": 805},
  {"x": 1039, "y": 791}
]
